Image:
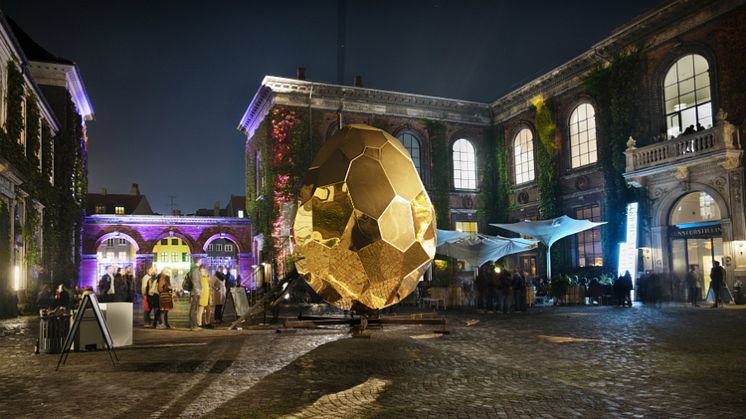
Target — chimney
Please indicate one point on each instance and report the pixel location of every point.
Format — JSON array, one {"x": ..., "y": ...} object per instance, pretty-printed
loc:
[
  {"x": 135, "y": 190},
  {"x": 216, "y": 208},
  {"x": 103, "y": 191},
  {"x": 300, "y": 73},
  {"x": 357, "y": 81}
]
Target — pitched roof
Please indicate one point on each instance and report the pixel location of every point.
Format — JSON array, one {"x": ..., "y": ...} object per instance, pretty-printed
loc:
[
  {"x": 32, "y": 50},
  {"x": 133, "y": 204}
]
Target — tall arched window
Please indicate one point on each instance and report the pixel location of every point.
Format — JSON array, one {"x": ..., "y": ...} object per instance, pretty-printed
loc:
[
  {"x": 686, "y": 92},
  {"x": 523, "y": 153},
  {"x": 412, "y": 144},
  {"x": 583, "y": 135},
  {"x": 464, "y": 165}
]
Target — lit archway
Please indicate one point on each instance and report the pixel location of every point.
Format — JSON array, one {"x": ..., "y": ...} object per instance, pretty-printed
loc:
[{"x": 116, "y": 250}]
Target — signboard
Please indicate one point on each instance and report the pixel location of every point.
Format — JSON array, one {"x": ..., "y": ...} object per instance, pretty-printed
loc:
[
  {"x": 89, "y": 300},
  {"x": 236, "y": 303},
  {"x": 628, "y": 249},
  {"x": 703, "y": 231}
]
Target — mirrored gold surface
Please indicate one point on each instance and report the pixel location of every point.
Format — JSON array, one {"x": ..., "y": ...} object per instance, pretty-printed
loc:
[{"x": 365, "y": 227}]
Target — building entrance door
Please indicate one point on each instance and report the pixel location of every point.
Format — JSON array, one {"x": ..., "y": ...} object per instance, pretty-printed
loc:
[{"x": 696, "y": 251}]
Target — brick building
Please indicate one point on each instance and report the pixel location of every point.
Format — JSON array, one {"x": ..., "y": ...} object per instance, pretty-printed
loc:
[{"x": 651, "y": 115}]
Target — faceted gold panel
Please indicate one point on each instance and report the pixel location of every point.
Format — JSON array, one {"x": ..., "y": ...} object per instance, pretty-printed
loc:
[{"x": 365, "y": 228}]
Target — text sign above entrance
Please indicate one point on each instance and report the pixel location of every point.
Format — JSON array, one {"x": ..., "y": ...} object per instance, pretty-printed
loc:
[{"x": 696, "y": 232}]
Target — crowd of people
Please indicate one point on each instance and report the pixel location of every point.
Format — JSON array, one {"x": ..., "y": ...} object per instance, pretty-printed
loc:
[
  {"x": 206, "y": 293},
  {"x": 501, "y": 290}
]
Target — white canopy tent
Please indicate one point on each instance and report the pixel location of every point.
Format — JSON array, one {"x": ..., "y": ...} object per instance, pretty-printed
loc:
[
  {"x": 549, "y": 231},
  {"x": 477, "y": 249}
]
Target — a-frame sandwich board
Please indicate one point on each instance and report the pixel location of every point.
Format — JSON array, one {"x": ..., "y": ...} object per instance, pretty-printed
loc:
[{"x": 89, "y": 300}]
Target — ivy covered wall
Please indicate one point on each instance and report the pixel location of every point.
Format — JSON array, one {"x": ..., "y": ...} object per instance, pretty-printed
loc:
[
  {"x": 440, "y": 179},
  {"x": 63, "y": 201},
  {"x": 617, "y": 89}
]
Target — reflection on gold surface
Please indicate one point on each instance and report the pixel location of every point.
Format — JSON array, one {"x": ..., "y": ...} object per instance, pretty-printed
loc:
[{"x": 365, "y": 227}]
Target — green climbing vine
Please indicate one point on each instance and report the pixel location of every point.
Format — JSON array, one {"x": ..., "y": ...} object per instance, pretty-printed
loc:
[
  {"x": 616, "y": 89},
  {"x": 439, "y": 180},
  {"x": 546, "y": 160},
  {"x": 495, "y": 196}
]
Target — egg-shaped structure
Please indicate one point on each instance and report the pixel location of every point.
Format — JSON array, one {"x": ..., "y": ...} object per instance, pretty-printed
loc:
[{"x": 365, "y": 228}]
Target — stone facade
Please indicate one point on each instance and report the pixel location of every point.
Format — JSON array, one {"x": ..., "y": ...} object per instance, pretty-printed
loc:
[{"x": 710, "y": 29}]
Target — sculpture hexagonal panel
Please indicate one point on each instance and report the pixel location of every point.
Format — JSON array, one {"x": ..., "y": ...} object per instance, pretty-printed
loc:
[{"x": 365, "y": 227}]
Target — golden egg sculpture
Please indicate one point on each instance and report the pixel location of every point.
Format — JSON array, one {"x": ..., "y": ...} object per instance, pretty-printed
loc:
[{"x": 364, "y": 231}]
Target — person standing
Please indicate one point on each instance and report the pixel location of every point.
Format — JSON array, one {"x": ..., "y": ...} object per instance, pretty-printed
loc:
[
  {"x": 193, "y": 285},
  {"x": 165, "y": 297},
  {"x": 519, "y": 291},
  {"x": 204, "y": 299},
  {"x": 506, "y": 290},
  {"x": 153, "y": 303},
  {"x": 218, "y": 296},
  {"x": 120, "y": 286},
  {"x": 717, "y": 279},
  {"x": 105, "y": 284},
  {"x": 129, "y": 282},
  {"x": 145, "y": 284},
  {"x": 695, "y": 291}
]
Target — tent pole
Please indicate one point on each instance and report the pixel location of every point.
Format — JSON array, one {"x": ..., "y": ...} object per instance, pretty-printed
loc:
[{"x": 549, "y": 262}]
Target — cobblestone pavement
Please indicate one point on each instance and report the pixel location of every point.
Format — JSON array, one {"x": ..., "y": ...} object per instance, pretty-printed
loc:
[{"x": 551, "y": 363}]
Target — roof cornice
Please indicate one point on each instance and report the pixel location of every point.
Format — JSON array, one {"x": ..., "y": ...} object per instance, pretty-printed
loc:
[
  {"x": 570, "y": 74},
  {"x": 325, "y": 96},
  {"x": 67, "y": 76}
]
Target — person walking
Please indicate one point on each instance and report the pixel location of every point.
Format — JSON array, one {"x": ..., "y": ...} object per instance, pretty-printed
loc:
[
  {"x": 204, "y": 299},
  {"x": 193, "y": 285},
  {"x": 692, "y": 281},
  {"x": 144, "y": 291},
  {"x": 165, "y": 297},
  {"x": 717, "y": 279}
]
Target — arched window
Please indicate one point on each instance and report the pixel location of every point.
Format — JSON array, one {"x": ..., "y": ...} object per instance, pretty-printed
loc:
[
  {"x": 523, "y": 153},
  {"x": 412, "y": 144},
  {"x": 583, "y": 135},
  {"x": 695, "y": 207},
  {"x": 464, "y": 165},
  {"x": 686, "y": 92}
]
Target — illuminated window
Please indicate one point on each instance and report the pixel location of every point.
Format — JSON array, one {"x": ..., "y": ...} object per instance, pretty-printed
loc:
[
  {"x": 589, "y": 241},
  {"x": 174, "y": 257},
  {"x": 164, "y": 256},
  {"x": 464, "y": 165},
  {"x": 100, "y": 209},
  {"x": 184, "y": 257},
  {"x": 466, "y": 226},
  {"x": 240, "y": 213},
  {"x": 686, "y": 92},
  {"x": 412, "y": 144},
  {"x": 119, "y": 210},
  {"x": 523, "y": 154},
  {"x": 583, "y": 136},
  {"x": 695, "y": 207},
  {"x": 228, "y": 247}
]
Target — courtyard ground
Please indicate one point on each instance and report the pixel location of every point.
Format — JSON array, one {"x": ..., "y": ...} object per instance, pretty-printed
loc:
[{"x": 567, "y": 362}]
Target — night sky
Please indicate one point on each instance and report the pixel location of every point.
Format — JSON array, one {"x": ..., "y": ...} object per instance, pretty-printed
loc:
[{"x": 170, "y": 80}]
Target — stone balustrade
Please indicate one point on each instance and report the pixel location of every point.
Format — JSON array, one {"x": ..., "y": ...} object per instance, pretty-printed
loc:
[{"x": 723, "y": 136}]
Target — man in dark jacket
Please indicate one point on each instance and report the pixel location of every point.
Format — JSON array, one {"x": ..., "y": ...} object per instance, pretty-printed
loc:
[{"x": 717, "y": 279}]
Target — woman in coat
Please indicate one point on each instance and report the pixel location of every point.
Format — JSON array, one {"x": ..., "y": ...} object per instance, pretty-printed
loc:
[
  {"x": 218, "y": 290},
  {"x": 204, "y": 299},
  {"x": 165, "y": 297}
]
